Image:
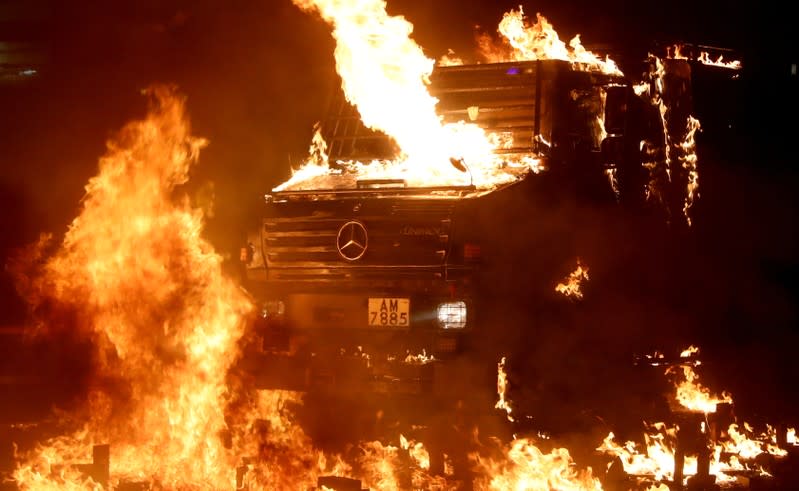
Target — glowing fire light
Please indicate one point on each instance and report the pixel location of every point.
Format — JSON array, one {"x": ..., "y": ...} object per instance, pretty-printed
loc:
[
  {"x": 502, "y": 387},
  {"x": 688, "y": 159},
  {"x": 540, "y": 41},
  {"x": 571, "y": 287}
]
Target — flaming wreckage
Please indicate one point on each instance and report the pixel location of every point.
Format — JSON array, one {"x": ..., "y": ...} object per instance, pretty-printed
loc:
[{"x": 371, "y": 270}]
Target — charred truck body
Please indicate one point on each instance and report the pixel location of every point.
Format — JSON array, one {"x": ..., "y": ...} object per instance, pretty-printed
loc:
[{"x": 370, "y": 284}]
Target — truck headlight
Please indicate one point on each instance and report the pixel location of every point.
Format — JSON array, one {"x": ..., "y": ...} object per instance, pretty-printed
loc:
[
  {"x": 272, "y": 309},
  {"x": 452, "y": 315}
]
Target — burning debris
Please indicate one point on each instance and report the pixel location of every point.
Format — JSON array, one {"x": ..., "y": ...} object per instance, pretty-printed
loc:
[
  {"x": 697, "y": 449},
  {"x": 384, "y": 75}
]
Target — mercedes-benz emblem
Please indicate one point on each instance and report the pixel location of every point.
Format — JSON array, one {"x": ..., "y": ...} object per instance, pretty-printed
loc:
[{"x": 352, "y": 240}]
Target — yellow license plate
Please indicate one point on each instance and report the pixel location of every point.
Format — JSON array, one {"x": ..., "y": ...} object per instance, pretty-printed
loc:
[{"x": 390, "y": 312}]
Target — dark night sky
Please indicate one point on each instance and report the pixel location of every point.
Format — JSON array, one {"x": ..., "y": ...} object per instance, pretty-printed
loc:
[{"x": 257, "y": 75}]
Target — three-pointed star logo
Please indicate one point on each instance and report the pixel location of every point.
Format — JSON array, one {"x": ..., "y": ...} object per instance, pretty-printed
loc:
[{"x": 352, "y": 240}]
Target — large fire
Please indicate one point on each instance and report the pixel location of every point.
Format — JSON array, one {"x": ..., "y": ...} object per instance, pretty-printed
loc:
[
  {"x": 149, "y": 291},
  {"x": 502, "y": 389},
  {"x": 142, "y": 285}
]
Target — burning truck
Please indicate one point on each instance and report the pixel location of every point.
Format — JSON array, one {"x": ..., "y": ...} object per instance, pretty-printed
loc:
[
  {"x": 375, "y": 265},
  {"x": 394, "y": 262}
]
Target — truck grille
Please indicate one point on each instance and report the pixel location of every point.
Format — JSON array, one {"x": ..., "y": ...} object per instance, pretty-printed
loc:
[{"x": 402, "y": 238}]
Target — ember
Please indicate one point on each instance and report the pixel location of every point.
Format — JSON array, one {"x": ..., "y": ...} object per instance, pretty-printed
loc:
[{"x": 572, "y": 286}]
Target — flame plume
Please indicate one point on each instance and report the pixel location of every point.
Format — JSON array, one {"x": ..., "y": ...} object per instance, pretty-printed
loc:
[
  {"x": 540, "y": 41},
  {"x": 150, "y": 294},
  {"x": 690, "y": 393},
  {"x": 674, "y": 146},
  {"x": 502, "y": 387},
  {"x": 688, "y": 160},
  {"x": 384, "y": 75}
]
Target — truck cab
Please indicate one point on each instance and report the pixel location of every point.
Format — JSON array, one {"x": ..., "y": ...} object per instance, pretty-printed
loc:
[{"x": 376, "y": 284}]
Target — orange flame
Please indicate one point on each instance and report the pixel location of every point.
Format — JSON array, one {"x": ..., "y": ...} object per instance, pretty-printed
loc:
[
  {"x": 525, "y": 466},
  {"x": 384, "y": 75},
  {"x": 688, "y": 159},
  {"x": 571, "y": 287},
  {"x": 676, "y": 52},
  {"x": 149, "y": 291},
  {"x": 746, "y": 446},
  {"x": 660, "y": 168},
  {"x": 694, "y": 396},
  {"x": 689, "y": 352},
  {"x": 502, "y": 387},
  {"x": 704, "y": 57},
  {"x": 690, "y": 393},
  {"x": 540, "y": 41},
  {"x": 450, "y": 59},
  {"x": 656, "y": 459}
]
